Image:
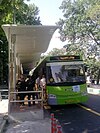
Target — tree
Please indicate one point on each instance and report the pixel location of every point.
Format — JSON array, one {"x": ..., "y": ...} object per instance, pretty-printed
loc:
[
  {"x": 31, "y": 15},
  {"x": 56, "y": 51},
  {"x": 81, "y": 27},
  {"x": 78, "y": 24},
  {"x": 14, "y": 11}
]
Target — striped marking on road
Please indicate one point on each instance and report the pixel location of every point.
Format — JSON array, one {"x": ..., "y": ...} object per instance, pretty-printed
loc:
[{"x": 90, "y": 110}]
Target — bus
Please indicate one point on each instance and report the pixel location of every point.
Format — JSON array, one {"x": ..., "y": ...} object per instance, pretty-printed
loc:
[{"x": 65, "y": 79}]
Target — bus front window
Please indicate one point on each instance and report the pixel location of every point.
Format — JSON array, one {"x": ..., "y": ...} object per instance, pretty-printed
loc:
[
  {"x": 53, "y": 74},
  {"x": 60, "y": 72}
]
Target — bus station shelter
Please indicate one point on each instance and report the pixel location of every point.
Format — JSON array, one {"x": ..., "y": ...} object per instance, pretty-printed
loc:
[{"x": 26, "y": 43}]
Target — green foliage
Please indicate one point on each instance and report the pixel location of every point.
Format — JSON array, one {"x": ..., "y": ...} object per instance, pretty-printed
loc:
[
  {"x": 93, "y": 68},
  {"x": 56, "y": 51},
  {"x": 81, "y": 27},
  {"x": 30, "y": 16},
  {"x": 78, "y": 24},
  {"x": 14, "y": 11}
]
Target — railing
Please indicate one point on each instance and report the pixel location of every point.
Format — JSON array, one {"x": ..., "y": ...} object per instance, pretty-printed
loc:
[
  {"x": 3, "y": 94},
  {"x": 14, "y": 100}
]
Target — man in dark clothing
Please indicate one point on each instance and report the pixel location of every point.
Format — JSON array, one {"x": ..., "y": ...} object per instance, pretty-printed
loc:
[
  {"x": 30, "y": 87},
  {"x": 21, "y": 87}
]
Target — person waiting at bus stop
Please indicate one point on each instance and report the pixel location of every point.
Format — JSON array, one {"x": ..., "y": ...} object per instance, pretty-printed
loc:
[
  {"x": 37, "y": 86},
  {"x": 30, "y": 84},
  {"x": 40, "y": 84},
  {"x": 43, "y": 86},
  {"x": 21, "y": 86}
]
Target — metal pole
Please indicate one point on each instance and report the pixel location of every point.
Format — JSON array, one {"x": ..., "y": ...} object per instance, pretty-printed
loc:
[{"x": 2, "y": 62}]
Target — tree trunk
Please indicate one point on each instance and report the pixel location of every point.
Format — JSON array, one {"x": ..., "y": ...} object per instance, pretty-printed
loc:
[{"x": 98, "y": 76}]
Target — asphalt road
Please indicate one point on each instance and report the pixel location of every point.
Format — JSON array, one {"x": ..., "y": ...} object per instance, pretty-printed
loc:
[
  {"x": 94, "y": 102},
  {"x": 81, "y": 118}
]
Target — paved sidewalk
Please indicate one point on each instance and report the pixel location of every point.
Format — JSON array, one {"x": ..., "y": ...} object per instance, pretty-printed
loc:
[
  {"x": 4, "y": 106},
  {"x": 94, "y": 89},
  {"x": 95, "y": 86},
  {"x": 39, "y": 126},
  {"x": 34, "y": 126},
  {"x": 3, "y": 113},
  {"x": 15, "y": 126}
]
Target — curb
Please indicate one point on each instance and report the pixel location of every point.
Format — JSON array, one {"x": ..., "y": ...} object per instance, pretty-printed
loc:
[
  {"x": 91, "y": 90},
  {"x": 5, "y": 119}
]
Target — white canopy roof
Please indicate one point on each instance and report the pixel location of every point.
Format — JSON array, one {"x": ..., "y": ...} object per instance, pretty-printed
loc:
[{"x": 30, "y": 41}]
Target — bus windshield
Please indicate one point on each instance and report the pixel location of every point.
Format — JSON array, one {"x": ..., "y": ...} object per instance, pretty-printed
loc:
[{"x": 59, "y": 72}]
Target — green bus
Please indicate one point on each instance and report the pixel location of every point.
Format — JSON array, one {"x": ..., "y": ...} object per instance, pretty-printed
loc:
[{"x": 65, "y": 79}]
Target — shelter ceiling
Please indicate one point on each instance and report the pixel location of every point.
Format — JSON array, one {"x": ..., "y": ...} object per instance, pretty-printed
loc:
[{"x": 30, "y": 41}]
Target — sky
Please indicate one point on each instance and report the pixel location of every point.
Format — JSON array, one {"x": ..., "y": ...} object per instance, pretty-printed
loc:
[
  {"x": 49, "y": 15},
  {"x": 49, "y": 10}
]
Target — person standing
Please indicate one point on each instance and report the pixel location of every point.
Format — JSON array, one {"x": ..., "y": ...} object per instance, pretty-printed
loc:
[
  {"x": 21, "y": 88},
  {"x": 43, "y": 86},
  {"x": 30, "y": 84},
  {"x": 43, "y": 81},
  {"x": 37, "y": 83},
  {"x": 37, "y": 86}
]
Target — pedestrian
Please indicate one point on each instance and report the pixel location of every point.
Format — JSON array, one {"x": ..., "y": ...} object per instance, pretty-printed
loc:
[
  {"x": 37, "y": 82},
  {"x": 21, "y": 87},
  {"x": 43, "y": 81},
  {"x": 43, "y": 86},
  {"x": 37, "y": 86},
  {"x": 30, "y": 85},
  {"x": 18, "y": 88}
]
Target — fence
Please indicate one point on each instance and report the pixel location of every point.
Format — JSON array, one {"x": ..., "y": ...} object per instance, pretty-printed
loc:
[
  {"x": 3, "y": 93},
  {"x": 14, "y": 100}
]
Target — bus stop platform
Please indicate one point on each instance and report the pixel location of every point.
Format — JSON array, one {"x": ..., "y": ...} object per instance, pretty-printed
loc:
[
  {"x": 24, "y": 118},
  {"x": 3, "y": 113},
  {"x": 26, "y": 113}
]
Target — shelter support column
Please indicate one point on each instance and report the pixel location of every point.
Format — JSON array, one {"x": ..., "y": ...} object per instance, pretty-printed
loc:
[
  {"x": 18, "y": 67},
  {"x": 12, "y": 67}
]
